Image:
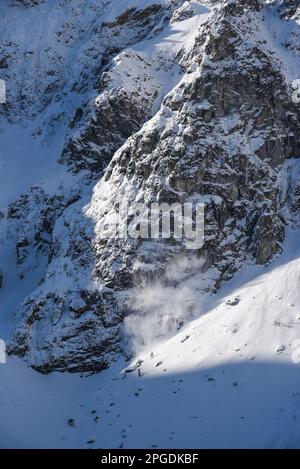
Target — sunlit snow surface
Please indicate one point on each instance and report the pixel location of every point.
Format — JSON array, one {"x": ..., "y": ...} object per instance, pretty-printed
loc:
[{"x": 228, "y": 379}]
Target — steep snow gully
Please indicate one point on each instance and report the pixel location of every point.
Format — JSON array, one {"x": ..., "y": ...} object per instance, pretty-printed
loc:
[{"x": 154, "y": 100}]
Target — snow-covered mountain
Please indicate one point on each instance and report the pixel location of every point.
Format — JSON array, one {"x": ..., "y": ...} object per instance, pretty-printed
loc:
[{"x": 170, "y": 101}]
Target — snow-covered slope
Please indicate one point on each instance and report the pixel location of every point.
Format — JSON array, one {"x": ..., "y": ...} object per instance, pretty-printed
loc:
[
  {"x": 229, "y": 379},
  {"x": 210, "y": 119},
  {"x": 155, "y": 100},
  {"x": 124, "y": 61}
]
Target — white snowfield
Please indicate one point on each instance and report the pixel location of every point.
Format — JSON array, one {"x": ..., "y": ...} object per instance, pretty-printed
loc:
[{"x": 230, "y": 378}]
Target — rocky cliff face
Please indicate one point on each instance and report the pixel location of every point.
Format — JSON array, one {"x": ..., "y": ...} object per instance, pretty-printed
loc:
[{"x": 169, "y": 102}]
